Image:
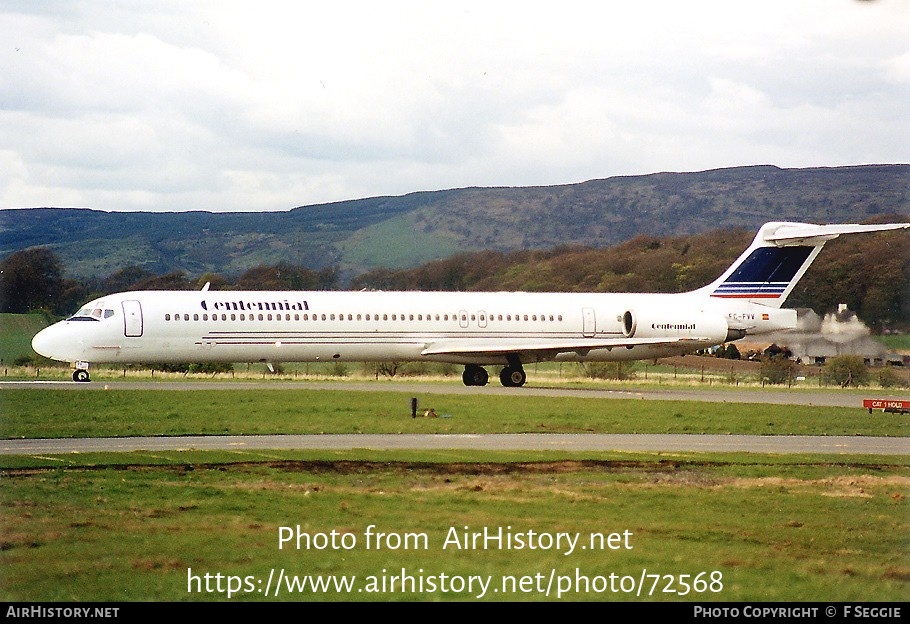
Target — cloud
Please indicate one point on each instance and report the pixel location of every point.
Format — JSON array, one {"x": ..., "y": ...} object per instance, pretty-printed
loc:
[{"x": 266, "y": 106}]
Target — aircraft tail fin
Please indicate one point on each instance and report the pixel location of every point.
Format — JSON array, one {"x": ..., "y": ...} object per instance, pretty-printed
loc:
[{"x": 778, "y": 257}]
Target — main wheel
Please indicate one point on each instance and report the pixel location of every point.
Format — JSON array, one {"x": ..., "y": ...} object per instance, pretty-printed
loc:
[
  {"x": 512, "y": 377},
  {"x": 475, "y": 376},
  {"x": 81, "y": 375}
]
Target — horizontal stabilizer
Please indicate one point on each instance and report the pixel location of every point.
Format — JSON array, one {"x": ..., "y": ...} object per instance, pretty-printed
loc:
[{"x": 809, "y": 234}]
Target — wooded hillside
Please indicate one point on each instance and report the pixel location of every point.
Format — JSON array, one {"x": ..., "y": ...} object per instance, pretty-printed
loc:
[{"x": 402, "y": 232}]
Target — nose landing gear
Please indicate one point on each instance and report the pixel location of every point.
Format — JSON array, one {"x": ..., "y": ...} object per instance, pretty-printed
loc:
[{"x": 81, "y": 372}]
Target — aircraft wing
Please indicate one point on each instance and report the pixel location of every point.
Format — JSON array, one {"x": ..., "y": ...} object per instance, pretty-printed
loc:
[{"x": 487, "y": 346}]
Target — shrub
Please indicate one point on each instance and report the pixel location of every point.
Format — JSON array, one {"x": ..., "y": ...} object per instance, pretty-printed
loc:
[
  {"x": 610, "y": 370},
  {"x": 339, "y": 369},
  {"x": 210, "y": 368},
  {"x": 887, "y": 378},
  {"x": 776, "y": 369},
  {"x": 847, "y": 370}
]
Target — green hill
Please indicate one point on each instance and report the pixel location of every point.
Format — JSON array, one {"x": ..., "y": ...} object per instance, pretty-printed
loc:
[{"x": 401, "y": 232}]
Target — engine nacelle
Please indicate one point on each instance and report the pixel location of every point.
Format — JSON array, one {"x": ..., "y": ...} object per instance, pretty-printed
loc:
[
  {"x": 685, "y": 323},
  {"x": 629, "y": 324}
]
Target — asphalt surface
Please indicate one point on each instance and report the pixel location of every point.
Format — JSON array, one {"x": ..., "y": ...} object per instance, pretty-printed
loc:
[{"x": 841, "y": 445}]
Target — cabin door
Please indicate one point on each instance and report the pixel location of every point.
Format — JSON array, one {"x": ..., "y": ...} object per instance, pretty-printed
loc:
[
  {"x": 132, "y": 319},
  {"x": 589, "y": 322}
]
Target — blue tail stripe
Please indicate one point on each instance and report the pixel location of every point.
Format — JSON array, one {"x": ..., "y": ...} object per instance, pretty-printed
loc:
[{"x": 767, "y": 270}]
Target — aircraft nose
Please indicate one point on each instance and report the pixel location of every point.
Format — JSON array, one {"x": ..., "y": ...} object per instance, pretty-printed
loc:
[
  {"x": 41, "y": 342},
  {"x": 47, "y": 342}
]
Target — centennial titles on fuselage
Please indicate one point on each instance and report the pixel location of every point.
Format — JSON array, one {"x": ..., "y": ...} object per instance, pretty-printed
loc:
[{"x": 263, "y": 306}]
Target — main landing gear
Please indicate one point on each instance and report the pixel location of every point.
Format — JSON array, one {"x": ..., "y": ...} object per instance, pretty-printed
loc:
[
  {"x": 512, "y": 376},
  {"x": 474, "y": 375}
]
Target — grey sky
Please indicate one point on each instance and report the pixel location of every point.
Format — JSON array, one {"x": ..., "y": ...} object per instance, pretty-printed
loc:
[{"x": 175, "y": 105}]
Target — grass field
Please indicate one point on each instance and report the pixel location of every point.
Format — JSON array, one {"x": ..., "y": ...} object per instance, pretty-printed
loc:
[
  {"x": 675, "y": 526},
  {"x": 16, "y": 332},
  {"x": 899, "y": 343},
  {"x": 700, "y": 529},
  {"x": 69, "y": 413}
]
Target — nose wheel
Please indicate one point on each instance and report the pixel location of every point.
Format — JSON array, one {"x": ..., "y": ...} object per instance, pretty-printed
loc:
[{"x": 81, "y": 375}]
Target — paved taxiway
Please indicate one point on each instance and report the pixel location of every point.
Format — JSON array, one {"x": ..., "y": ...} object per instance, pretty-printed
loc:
[
  {"x": 840, "y": 445},
  {"x": 860, "y": 445}
]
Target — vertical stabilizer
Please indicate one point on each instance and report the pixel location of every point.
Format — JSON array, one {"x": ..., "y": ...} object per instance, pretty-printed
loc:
[{"x": 778, "y": 257}]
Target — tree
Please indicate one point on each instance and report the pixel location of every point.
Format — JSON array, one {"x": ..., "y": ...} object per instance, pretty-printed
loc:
[
  {"x": 847, "y": 370},
  {"x": 285, "y": 276},
  {"x": 31, "y": 279},
  {"x": 125, "y": 278},
  {"x": 176, "y": 280}
]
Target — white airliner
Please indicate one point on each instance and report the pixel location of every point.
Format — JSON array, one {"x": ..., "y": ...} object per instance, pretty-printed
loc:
[{"x": 508, "y": 329}]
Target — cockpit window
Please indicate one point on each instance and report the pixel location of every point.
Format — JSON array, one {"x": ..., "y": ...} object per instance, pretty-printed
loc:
[{"x": 91, "y": 314}]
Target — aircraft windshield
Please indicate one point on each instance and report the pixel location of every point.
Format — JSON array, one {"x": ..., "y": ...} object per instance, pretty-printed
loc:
[{"x": 91, "y": 314}]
